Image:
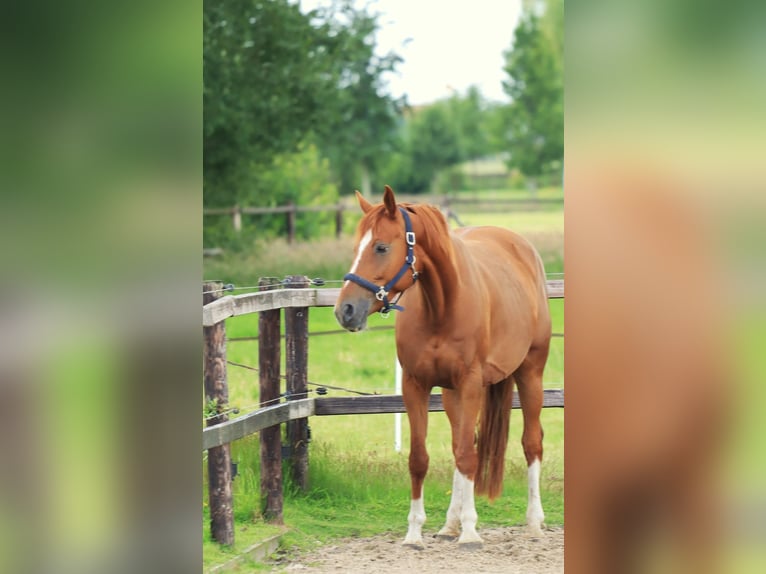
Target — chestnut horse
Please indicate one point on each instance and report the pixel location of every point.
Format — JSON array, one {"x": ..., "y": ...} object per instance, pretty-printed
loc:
[{"x": 476, "y": 321}]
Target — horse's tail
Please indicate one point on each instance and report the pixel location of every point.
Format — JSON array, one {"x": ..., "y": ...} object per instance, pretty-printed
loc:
[{"x": 493, "y": 438}]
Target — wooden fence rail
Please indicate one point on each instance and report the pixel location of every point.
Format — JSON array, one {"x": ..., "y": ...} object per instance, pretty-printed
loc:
[
  {"x": 220, "y": 432},
  {"x": 235, "y": 305},
  {"x": 289, "y": 211},
  {"x": 324, "y": 406}
]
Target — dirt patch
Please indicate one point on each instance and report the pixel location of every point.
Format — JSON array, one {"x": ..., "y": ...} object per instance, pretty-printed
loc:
[{"x": 508, "y": 550}]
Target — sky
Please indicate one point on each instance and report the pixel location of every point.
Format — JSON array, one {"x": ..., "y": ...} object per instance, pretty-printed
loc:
[{"x": 454, "y": 44}]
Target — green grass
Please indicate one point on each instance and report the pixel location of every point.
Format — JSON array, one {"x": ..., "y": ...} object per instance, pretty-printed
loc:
[
  {"x": 246, "y": 534},
  {"x": 529, "y": 223},
  {"x": 359, "y": 485}
]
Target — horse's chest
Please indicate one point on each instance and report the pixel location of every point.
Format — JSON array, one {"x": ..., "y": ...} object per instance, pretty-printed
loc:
[{"x": 437, "y": 364}]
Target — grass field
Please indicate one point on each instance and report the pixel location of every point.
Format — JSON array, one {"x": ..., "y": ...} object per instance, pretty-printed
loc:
[{"x": 359, "y": 485}]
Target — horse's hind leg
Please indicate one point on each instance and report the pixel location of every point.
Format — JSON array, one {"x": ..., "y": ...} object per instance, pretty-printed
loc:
[
  {"x": 529, "y": 382},
  {"x": 416, "y": 402}
]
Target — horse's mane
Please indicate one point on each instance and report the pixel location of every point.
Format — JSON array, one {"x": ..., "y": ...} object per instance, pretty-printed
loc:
[
  {"x": 439, "y": 277},
  {"x": 435, "y": 235}
]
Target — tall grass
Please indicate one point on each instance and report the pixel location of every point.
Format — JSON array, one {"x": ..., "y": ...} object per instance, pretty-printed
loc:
[
  {"x": 329, "y": 258},
  {"x": 359, "y": 485}
]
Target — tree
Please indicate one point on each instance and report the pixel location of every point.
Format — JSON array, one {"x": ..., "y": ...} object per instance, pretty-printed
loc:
[
  {"x": 440, "y": 136},
  {"x": 263, "y": 86},
  {"x": 276, "y": 79},
  {"x": 364, "y": 117},
  {"x": 534, "y": 120},
  {"x": 468, "y": 113},
  {"x": 434, "y": 143}
]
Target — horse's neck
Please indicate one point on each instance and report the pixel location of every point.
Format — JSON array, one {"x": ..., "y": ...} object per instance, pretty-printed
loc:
[{"x": 439, "y": 288}]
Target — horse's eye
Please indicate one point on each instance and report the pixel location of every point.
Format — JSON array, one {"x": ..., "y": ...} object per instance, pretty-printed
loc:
[{"x": 381, "y": 248}]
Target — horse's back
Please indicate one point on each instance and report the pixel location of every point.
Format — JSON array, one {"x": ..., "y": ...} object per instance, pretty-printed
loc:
[
  {"x": 504, "y": 257},
  {"x": 507, "y": 269}
]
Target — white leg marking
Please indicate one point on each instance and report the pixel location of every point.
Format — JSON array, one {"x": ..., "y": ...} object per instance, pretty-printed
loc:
[
  {"x": 416, "y": 519},
  {"x": 451, "y": 528},
  {"x": 535, "y": 514},
  {"x": 362, "y": 246},
  {"x": 468, "y": 516}
]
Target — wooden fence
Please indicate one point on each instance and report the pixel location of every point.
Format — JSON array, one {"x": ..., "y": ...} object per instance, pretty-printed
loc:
[
  {"x": 296, "y": 298},
  {"x": 448, "y": 204},
  {"x": 289, "y": 212}
]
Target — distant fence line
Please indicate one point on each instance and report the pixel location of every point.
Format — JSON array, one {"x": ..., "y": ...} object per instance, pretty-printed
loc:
[{"x": 446, "y": 203}]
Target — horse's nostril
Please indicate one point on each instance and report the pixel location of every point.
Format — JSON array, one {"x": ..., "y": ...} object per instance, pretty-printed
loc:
[{"x": 348, "y": 311}]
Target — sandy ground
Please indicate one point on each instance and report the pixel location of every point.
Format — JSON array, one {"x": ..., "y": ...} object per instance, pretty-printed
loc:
[{"x": 507, "y": 550}]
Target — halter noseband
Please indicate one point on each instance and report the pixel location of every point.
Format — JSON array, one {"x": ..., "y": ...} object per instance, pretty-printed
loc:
[{"x": 381, "y": 293}]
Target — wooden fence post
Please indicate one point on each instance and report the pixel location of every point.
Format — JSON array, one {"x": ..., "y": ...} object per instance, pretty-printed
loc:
[
  {"x": 339, "y": 221},
  {"x": 269, "y": 344},
  {"x": 291, "y": 222},
  {"x": 296, "y": 360},
  {"x": 216, "y": 401}
]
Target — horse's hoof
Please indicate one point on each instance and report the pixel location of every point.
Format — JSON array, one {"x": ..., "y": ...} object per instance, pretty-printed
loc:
[
  {"x": 448, "y": 534},
  {"x": 414, "y": 545},
  {"x": 471, "y": 546},
  {"x": 534, "y": 531}
]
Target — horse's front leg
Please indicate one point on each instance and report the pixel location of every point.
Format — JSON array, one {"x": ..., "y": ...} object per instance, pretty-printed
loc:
[
  {"x": 416, "y": 402},
  {"x": 451, "y": 528}
]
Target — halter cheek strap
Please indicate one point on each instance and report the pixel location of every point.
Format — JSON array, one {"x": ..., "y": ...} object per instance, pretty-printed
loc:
[{"x": 381, "y": 292}]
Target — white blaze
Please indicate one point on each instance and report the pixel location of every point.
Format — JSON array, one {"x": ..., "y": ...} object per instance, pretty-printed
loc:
[{"x": 362, "y": 246}]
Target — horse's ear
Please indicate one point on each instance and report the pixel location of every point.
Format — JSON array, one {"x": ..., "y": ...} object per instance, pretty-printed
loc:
[
  {"x": 390, "y": 202},
  {"x": 363, "y": 203}
]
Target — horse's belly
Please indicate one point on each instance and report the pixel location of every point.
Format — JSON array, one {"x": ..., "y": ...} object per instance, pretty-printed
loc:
[
  {"x": 496, "y": 368},
  {"x": 446, "y": 368}
]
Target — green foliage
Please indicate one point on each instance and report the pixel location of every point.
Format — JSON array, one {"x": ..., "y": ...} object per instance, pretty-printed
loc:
[
  {"x": 265, "y": 78},
  {"x": 302, "y": 178},
  {"x": 472, "y": 117},
  {"x": 211, "y": 408},
  {"x": 276, "y": 78},
  {"x": 436, "y": 138},
  {"x": 433, "y": 143},
  {"x": 534, "y": 120},
  {"x": 363, "y": 118}
]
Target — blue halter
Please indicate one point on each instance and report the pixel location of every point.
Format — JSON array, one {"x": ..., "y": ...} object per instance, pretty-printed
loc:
[{"x": 381, "y": 293}]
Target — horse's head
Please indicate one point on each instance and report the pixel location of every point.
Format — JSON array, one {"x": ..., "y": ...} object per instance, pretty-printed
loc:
[{"x": 384, "y": 253}]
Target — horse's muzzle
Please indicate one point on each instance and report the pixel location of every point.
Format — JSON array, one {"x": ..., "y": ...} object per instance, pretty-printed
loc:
[{"x": 352, "y": 314}]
